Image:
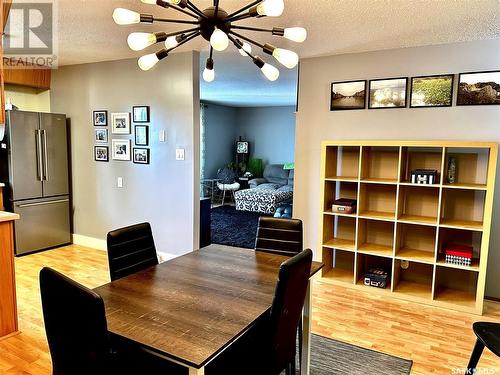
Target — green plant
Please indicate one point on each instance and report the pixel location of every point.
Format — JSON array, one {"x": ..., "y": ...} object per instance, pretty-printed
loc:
[{"x": 256, "y": 167}]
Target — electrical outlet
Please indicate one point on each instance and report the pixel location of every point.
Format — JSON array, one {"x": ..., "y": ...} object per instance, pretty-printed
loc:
[
  {"x": 179, "y": 154},
  {"x": 119, "y": 182}
]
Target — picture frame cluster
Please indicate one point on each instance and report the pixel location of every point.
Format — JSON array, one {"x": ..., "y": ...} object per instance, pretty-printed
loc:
[
  {"x": 121, "y": 125},
  {"x": 474, "y": 88}
]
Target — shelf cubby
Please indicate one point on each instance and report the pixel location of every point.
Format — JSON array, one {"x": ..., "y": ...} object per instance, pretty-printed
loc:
[
  {"x": 366, "y": 262},
  {"x": 376, "y": 237},
  {"x": 339, "y": 232},
  {"x": 462, "y": 209},
  {"x": 416, "y": 280},
  {"x": 455, "y": 286},
  {"x": 471, "y": 167},
  {"x": 380, "y": 164},
  {"x": 377, "y": 201},
  {"x": 448, "y": 236},
  {"x": 420, "y": 158},
  {"x": 418, "y": 204},
  {"x": 342, "y": 163},
  {"x": 339, "y": 265},
  {"x": 336, "y": 190},
  {"x": 416, "y": 243}
]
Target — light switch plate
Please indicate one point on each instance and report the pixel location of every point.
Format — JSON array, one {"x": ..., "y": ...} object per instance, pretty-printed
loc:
[
  {"x": 162, "y": 135},
  {"x": 119, "y": 182},
  {"x": 179, "y": 154}
]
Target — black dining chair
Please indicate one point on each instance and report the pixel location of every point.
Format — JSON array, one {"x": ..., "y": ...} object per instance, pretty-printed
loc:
[
  {"x": 488, "y": 335},
  {"x": 131, "y": 249},
  {"x": 269, "y": 348},
  {"x": 279, "y": 236}
]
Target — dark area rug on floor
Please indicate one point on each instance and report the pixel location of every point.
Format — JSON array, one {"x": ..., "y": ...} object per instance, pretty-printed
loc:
[{"x": 234, "y": 228}]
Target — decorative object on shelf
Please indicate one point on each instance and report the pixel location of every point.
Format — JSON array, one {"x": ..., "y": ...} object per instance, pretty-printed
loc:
[
  {"x": 121, "y": 149},
  {"x": 479, "y": 88},
  {"x": 141, "y": 155},
  {"x": 140, "y": 114},
  {"x": 431, "y": 91},
  {"x": 289, "y": 166},
  {"x": 348, "y": 95},
  {"x": 101, "y": 135},
  {"x": 216, "y": 26},
  {"x": 256, "y": 167},
  {"x": 101, "y": 153},
  {"x": 100, "y": 118},
  {"x": 344, "y": 206},
  {"x": 141, "y": 135},
  {"x": 242, "y": 147},
  {"x": 458, "y": 254},
  {"x": 452, "y": 170},
  {"x": 120, "y": 123},
  {"x": 388, "y": 93},
  {"x": 424, "y": 176},
  {"x": 376, "y": 277}
]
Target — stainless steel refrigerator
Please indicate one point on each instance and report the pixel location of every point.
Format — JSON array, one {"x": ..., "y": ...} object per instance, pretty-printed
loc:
[{"x": 35, "y": 162}]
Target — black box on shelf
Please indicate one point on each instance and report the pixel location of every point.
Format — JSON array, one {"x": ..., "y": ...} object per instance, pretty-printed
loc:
[
  {"x": 424, "y": 176},
  {"x": 376, "y": 277},
  {"x": 344, "y": 206}
]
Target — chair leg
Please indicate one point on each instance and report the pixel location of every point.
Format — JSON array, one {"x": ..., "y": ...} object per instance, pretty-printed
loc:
[
  {"x": 300, "y": 344},
  {"x": 223, "y": 196},
  {"x": 292, "y": 367},
  {"x": 474, "y": 358},
  {"x": 288, "y": 370}
]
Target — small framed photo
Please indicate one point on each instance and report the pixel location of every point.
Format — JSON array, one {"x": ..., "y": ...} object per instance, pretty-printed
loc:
[
  {"x": 141, "y": 155},
  {"x": 120, "y": 123},
  {"x": 388, "y": 93},
  {"x": 242, "y": 147},
  {"x": 479, "y": 88},
  {"x": 101, "y": 153},
  {"x": 431, "y": 91},
  {"x": 101, "y": 135},
  {"x": 141, "y": 135},
  {"x": 348, "y": 95},
  {"x": 140, "y": 113},
  {"x": 100, "y": 118},
  {"x": 121, "y": 149}
]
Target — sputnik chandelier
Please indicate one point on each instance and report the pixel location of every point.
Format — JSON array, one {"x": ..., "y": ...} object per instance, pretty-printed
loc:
[{"x": 216, "y": 26}]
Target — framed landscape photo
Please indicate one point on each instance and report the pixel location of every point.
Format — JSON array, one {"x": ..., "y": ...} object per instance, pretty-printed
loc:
[
  {"x": 140, "y": 113},
  {"x": 120, "y": 123},
  {"x": 348, "y": 95},
  {"x": 100, "y": 118},
  {"x": 121, "y": 149},
  {"x": 141, "y": 135},
  {"x": 479, "y": 88},
  {"x": 388, "y": 93},
  {"x": 141, "y": 155},
  {"x": 101, "y": 153},
  {"x": 101, "y": 135},
  {"x": 431, "y": 91}
]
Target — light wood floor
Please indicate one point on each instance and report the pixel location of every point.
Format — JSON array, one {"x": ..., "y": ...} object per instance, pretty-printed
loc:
[{"x": 436, "y": 340}]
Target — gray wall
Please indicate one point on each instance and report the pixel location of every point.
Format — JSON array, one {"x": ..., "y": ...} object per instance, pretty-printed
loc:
[
  {"x": 166, "y": 192},
  {"x": 315, "y": 122}
]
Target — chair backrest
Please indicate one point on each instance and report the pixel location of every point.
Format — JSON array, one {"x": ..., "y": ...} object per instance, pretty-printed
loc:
[
  {"x": 279, "y": 236},
  {"x": 286, "y": 310},
  {"x": 226, "y": 175},
  {"x": 131, "y": 249},
  {"x": 75, "y": 323}
]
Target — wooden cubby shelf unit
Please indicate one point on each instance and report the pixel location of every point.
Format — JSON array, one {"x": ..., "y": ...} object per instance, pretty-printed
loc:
[{"x": 405, "y": 228}]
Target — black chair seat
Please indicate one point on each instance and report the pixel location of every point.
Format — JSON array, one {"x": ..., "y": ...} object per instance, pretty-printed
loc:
[{"x": 489, "y": 335}]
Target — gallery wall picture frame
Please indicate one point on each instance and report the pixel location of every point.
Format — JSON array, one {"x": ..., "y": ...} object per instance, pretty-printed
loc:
[
  {"x": 479, "y": 88},
  {"x": 348, "y": 95},
  {"x": 101, "y": 153},
  {"x": 432, "y": 91},
  {"x": 101, "y": 135},
  {"x": 140, "y": 155},
  {"x": 120, "y": 149},
  {"x": 120, "y": 123},
  {"x": 100, "y": 118},
  {"x": 387, "y": 93},
  {"x": 140, "y": 114},
  {"x": 141, "y": 135}
]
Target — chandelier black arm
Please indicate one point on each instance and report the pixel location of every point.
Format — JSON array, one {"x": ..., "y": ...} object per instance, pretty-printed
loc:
[
  {"x": 195, "y": 9},
  {"x": 244, "y": 8},
  {"x": 238, "y": 44},
  {"x": 169, "y": 20},
  {"x": 216, "y": 4},
  {"x": 240, "y": 17},
  {"x": 211, "y": 52},
  {"x": 247, "y": 39},
  {"x": 251, "y": 28},
  {"x": 182, "y": 31},
  {"x": 188, "y": 38}
]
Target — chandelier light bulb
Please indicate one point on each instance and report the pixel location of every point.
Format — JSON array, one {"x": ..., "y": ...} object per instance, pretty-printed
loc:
[
  {"x": 171, "y": 42},
  {"x": 139, "y": 41},
  {"x": 271, "y": 72},
  {"x": 286, "y": 57},
  {"x": 126, "y": 17},
  {"x": 271, "y": 8},
  {"x": 246, "y": 49},
  {"x": 152, "y": 2},
  {"x": 295, "y": 34},
  {"x": 146, "y": 62},
  {"x": 208, "y": 75},
  {"x": 219, "y": 40}
]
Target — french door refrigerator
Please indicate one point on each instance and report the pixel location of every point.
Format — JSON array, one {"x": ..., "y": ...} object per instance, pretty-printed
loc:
[{"x": 38, "y": 183}]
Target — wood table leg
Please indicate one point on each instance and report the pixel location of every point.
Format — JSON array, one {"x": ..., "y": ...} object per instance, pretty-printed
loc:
[
  {"x": 196, "y": 371},
  {"x": 306, "y": 333}
]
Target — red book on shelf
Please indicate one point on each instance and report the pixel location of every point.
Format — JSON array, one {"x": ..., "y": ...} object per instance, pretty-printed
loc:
[{"x": 459, "y": 250}]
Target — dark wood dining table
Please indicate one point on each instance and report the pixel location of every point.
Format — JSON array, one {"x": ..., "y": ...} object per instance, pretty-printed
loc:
[{"x": 190, "y": 309}]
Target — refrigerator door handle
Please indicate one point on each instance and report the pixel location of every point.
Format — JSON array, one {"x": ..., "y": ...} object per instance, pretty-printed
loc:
[
  {"x": 42, "y": 203},
  {"x": 39, "y": 164},
  {"x": 45, "y": 156}
]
